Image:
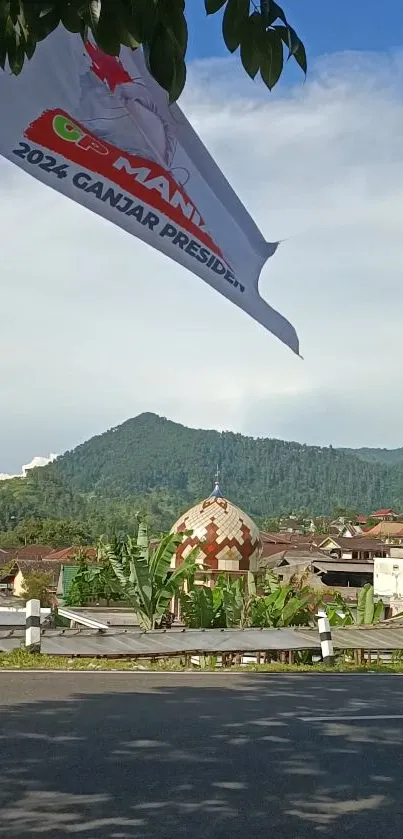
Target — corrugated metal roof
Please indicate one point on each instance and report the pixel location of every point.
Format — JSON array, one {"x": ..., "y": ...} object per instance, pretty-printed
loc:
[
  {"x": 178, "y": 642},
  {"x": 194, "y": 641},
  {"x": 368, "y": 638},
  {"x": 339, "y": 565},
  {"x": 167, "y": 643}
]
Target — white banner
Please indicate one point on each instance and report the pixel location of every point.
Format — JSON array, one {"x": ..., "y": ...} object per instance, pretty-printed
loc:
[{"x": 101, "y": 131}]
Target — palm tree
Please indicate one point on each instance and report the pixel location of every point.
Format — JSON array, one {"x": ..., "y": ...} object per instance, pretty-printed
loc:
[{"x": 144, "y": 573}]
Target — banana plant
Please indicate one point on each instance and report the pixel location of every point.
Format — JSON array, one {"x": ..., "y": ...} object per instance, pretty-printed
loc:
[
  {"x": 284, "y": 605},
  {"x": 202, "y": 608},
  {"x": 145, "y": 575},
  {"x": 226, "y": 605},
  {"x": 368, "y": 612}
]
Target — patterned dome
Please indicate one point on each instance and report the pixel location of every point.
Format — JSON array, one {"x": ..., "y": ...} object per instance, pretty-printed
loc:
[{"x": 229, "y": 540}]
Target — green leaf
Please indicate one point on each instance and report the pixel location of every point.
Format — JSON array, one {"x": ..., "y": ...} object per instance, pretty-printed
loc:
[
  {"x": 4, "y": 14},
  {"x": 11, "y": 38},
  {"x": 106, "y": 32},
  {"x": 142, "y": 581},
  {"x": 271, "y": 62},
  {"x": 252, "y": 39},
  {"x": 72, "y": 19},
  {"x": 213, "y": 6},
  {"x": 289, "y": 37},
  {"x": 3, "y": 53},
  {"x": 235, "y": 16},
  {"x": 365, "y": 605},
  {"x": 142, "y": 535},
  {"x": 379, "y": 607},
  {"x": 146, "y": 19},
  {"x": 30, "y": 46},
  {"x": 173, "y": 17},
  {"x": 14, "y": 7},
  {"x": 182, "y": 572},
  {"x": 128, "y": 26},
  {"x": 251, "y": 584},
  {"x": 275, "y": 13},
  {"x": 18, "y": 62},
  {"x": 300, "y": 57},
  {"x": 93, "y": 13},
  {"x": 160, "y": 57},
  {"x": 47, "y": 23},
  {"x": 179, "y": 80},
  {"x": 161, "y": 557},
  {"x": 198, "y": 608}
]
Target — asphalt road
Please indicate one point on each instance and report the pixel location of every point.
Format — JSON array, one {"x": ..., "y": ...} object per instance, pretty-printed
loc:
[{"x": 200, "y": 756}]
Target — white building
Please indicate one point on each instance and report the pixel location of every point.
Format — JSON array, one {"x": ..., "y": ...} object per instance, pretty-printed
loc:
[{"x": 388, "y": 578}]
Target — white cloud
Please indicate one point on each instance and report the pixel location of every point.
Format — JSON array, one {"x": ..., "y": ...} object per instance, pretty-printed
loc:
[{"x": 96, "y": 327}]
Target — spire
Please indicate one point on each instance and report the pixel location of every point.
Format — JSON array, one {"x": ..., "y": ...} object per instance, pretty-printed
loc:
[{"x": 216, "y": 491}]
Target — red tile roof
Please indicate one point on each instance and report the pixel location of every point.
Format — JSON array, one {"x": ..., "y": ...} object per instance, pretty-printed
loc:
[
  {"x": 30, "y": 552},
  {"x": 383, "y": 513},
  {"x": 65, "y": 555},
  {"x": 32, "y": 566},
  {"x": 274, "y": 542}
]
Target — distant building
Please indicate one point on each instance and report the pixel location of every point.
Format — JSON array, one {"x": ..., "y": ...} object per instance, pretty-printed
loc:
[
  {"x": 350, "y": 559},
  {"x": 385, "y": 515},
  {"x": 388, "y": 579},
  {"x": 353, "y": 548},
  {"x": 388, "y": 530}
]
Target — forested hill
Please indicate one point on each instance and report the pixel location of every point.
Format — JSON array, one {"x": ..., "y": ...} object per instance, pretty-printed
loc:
[
  {"x": 388, "y": 456},
  {"x": 151, "y": 464},
  {"x": 170, "y": 465}
]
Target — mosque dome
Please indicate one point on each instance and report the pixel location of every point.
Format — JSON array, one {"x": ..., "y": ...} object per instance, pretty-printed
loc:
[{"x": 229, "y": 540}]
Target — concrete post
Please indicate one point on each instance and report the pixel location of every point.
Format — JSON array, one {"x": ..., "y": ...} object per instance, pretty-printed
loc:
[
  {"x": 33, "y": 626},
  {"x": 325, "y": 636}
]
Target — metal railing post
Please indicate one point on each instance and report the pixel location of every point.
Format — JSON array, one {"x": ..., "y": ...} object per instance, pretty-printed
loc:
[
  {"x": 33, "y": 626},
  {"x": 325, "y": 635}
]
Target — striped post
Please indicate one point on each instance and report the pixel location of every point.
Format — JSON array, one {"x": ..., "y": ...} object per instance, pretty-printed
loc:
[
  {"x": 325, "y": 636},
  {"x": 33, "y": 626}
]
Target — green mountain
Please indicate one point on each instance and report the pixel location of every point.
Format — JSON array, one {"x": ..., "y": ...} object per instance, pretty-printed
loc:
[
  {"x": 388, "y": 456},
  {"x": 161, "y": 467}
]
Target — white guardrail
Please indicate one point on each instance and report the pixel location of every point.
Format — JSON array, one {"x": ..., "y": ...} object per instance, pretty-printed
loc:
[{"x": 90, "y": 623}]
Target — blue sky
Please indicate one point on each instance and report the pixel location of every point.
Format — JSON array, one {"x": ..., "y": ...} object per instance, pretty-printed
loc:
[
  {"x": 318, "y": 165},
  {"x": 324, "y": 25}
]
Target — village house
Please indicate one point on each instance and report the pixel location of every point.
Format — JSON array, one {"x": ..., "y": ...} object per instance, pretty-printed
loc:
[
  {"x": 16, "y": 564},
  {"x": 390, "y": 531},
  {"x": 24, "y": 567},
  {"x": 385, "y": 515},
  {"x": 350, "y": 560},
  {"x": 355, "y": 548},
  {"x": 275, "y": 543},
  {"x": 319, "y": 568}
]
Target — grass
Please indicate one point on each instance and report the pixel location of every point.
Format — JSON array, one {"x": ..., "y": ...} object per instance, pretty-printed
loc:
[{"x": 22, "y": 660}]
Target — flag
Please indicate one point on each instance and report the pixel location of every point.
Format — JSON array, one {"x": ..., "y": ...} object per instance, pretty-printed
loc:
[{"x": 100, "y": 130}]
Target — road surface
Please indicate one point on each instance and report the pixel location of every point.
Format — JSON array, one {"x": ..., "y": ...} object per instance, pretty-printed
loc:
[{"x": 210, "y": 756}]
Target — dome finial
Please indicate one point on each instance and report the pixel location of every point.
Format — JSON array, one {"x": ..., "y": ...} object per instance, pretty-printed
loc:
[{"x": 216, "y": 491}]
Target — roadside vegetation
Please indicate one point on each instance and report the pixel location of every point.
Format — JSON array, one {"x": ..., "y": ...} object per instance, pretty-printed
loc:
[{"x": 21, "y": 659}]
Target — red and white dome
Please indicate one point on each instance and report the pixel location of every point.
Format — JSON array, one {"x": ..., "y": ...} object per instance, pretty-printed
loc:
[{"x": 229, "y": 540}]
